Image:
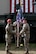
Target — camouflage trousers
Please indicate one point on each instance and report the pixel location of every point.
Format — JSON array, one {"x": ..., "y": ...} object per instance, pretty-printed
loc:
[
  {"x": 26, "y": 43},
  {"x": 8, "y": 43}
]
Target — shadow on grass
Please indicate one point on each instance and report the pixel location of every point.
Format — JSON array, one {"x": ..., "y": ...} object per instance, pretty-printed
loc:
[{"x": 13, "y": 47}]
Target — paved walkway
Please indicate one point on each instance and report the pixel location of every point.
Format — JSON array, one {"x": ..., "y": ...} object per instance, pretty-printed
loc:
[{"x": 18, "y": 52}]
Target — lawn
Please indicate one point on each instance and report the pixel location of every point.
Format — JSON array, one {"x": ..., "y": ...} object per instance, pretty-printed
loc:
[{"x": 32, "y": 47}]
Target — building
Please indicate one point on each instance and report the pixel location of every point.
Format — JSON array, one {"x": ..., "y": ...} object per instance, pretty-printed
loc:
[{"x": 28, "y": 9}]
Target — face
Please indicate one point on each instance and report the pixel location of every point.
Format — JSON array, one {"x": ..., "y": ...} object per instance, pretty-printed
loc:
[
  {"x": 9, "y": 21},
  {"x": 24, "y": 21}
]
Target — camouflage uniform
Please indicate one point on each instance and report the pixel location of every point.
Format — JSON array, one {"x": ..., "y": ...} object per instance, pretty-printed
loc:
[
  {"x": 26, "y": 31},
  {"x": 8, "y": 35},
  {"x": 8, "y": 30}
]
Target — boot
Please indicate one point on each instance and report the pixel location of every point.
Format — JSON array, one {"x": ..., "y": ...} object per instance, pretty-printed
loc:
[
  {"x": 10, "y": 53},
  {"x": 27, "y": 52},
  {"x": 7, "y": 52}
]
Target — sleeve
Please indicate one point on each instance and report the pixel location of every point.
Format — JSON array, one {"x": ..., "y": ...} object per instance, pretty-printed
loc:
[
  {"x": 6, "y": 28},
  {"x": 14, "y": 23},
  {"x": 13, "y": 30},
  {"x": 23, "y": 29}
]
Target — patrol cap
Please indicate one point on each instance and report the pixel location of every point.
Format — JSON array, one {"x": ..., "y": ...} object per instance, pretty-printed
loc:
[
  {"x": 8, "y": 20},
  {"x": 25, "y": 19}
]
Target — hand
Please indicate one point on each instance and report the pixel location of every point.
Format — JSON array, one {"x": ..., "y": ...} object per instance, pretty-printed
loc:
[{"x": 18, "y": 34}]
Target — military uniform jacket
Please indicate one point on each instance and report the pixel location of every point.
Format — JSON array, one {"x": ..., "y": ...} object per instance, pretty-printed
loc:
[
  {"x": 9, "y": 31},
  {"x": 25, "y": 30}
]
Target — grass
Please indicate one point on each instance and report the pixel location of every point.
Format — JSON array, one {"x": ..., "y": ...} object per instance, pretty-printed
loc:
[
  {"x": 32, "y": 47},
  {"x": 2, "y": 46}
]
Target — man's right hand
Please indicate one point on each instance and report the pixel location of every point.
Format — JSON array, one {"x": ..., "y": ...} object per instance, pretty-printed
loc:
[{"x": 18, "y": 34}]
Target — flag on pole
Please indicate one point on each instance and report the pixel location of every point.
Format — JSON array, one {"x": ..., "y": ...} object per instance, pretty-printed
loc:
[
  {"x": 18, "y": 16},
  {"x": 26, "y": 6}
]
